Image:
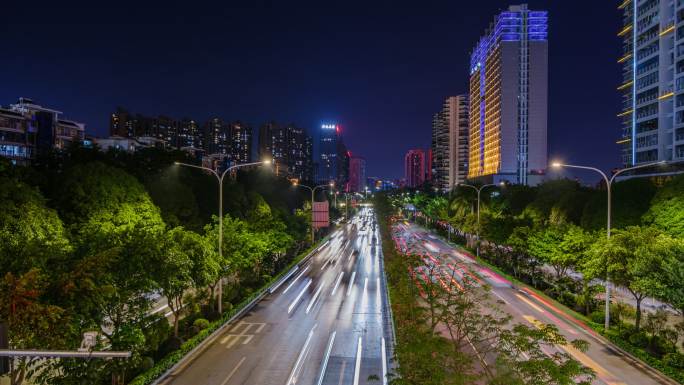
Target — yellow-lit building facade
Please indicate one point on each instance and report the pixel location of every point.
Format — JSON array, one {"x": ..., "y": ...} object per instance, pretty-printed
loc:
[{"x": 508, "y": 99}]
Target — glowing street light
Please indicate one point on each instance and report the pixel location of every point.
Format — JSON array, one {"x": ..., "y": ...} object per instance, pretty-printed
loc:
[
  {"x": 313, "y": 190},
  {"x": 479, "y": 191},
  {"x": 609, "y": 184},
  {"x": 220, "y": 182}
]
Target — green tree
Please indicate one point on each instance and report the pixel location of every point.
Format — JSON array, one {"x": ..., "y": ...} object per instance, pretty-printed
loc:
[
  {"x": 631, "y": 200},
  {"x": 667, "y": 208},
  {"x": 522, "y": 360},
  {"x": 175, "y": 198},
  {"x": 31, "y": 234},
  {"x": 519, "y": 243},
  {"x": 674, "y": 276},
  {"x": 632, "y": 258},
  {"x": 32, "y": 322},
  {"x": 116, "y": 230},
  {"x": 545, "y": 245},
  {"x": 172, "y": 268}
]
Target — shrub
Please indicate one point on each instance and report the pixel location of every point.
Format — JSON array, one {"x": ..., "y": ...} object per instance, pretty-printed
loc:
[
  {"x": 201, "y": 323},
  {"x": 147, "y": 363},
  {"x": 598, "y": 317},
  {"x": 639, "y": 339},
  {"x": 567, "y": 298},
  {"x": 675, "y": 360}
]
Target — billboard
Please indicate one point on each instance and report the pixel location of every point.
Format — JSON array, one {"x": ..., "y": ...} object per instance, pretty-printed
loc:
[{"x": 320, "y": 217}]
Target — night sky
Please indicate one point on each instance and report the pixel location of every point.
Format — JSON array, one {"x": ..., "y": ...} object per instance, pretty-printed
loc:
[{"x": 380, "y": 69}]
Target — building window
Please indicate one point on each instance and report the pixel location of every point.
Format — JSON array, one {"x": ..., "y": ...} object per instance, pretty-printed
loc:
[
  {"x": 646, "y": 126},
  {"x": 647, "y": 141},
  {"x": 648, "y": 110},
  {"x": 679, "y": 151},
  {"x": 647, "y": 156},
  {"x": 679, "y": 134}
]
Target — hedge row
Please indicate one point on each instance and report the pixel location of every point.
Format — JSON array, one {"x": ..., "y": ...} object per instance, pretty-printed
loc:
[
  {"x": 673, "y": 373},
  {"x": 174, "y": 357}
]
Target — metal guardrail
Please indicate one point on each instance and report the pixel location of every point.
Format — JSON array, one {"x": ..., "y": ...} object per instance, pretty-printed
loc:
[{"x": 63, "y": 354}]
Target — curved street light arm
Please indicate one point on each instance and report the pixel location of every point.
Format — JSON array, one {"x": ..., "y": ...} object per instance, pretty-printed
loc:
[
  {"x": 199, "y": 167},
  {"x": 603, "y": 174},
  {"x": 233, "y": 167},
  {"x": 466, "y": 185},
  {"x": 618, "y": 172}
]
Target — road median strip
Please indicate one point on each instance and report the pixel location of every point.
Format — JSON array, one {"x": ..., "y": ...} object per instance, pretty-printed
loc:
[
  {"x": 176, "y": 361},
  {"x": 644, "y": 362}
]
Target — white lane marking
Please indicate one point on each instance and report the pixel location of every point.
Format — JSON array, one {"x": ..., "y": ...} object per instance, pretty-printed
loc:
[
  {"x": 260, "y": 328},
  {"x": 365, "y": 286},
  {"x": 233, "y": 341},
  {"x": 351, "y": 283},
  {"x": 339, "y": 279},
  {"x": 500, "y": 297},
  {"x": 377, "y": 293},
  {"x": 236, "y": 327},
  {"x": 325, "y": 263},
  {"x": 384, "y": 363},
  {"x": 296, "y": 279},
  {"x": 294, "y": 303},
  {"x": 324, "y": 366},
  {"x": 232, "y": 372},
  {"x": 295, "y": 370},
  {"x": 313, "y": 300},
  {"x": 357, "y": 368},
  {"x": 342, "y": 371},
  {"x": 249, "y": 338},
  {"x": 350, "y": 255}
]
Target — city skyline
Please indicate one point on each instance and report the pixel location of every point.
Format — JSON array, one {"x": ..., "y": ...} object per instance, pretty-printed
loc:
[
  {"x": 342, "y": 193},
  {"x": 338, "y": 90}
]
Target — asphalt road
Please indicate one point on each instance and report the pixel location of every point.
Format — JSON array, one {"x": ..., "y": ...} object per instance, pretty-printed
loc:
[
  {"x": 611, "y": 366},
  {"x": 324, "y": 325}
]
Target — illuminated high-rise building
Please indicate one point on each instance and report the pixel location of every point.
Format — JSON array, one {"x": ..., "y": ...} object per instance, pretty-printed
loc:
[
  {"x": 414, "y": 168},
  {"x": 508, "y": 99},
  {"x": 328, "y": 165},
  {"x": 449, "y": 150},
  {"x": 216, "y": 137},
  {"x": 357, "y": 174},
  {"x": 290, "y": 149},
  {"x": 189, "y": 135},
  {"x": 240, "y": 143},
  {"x": 652, "y": 89}
]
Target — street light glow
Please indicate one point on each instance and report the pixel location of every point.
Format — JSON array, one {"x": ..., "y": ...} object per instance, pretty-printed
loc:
[
  {"x": 267, "y": 161},
  {"x": 556, "y": 165}
]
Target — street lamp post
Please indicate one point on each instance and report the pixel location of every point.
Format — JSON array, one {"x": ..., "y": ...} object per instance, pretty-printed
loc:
[
  {"x": 220, "y": 239},
  {"x": 479, "y": 191},
  {"x": 313, "y": 190},
  {"x": 609, "y": 184}
]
